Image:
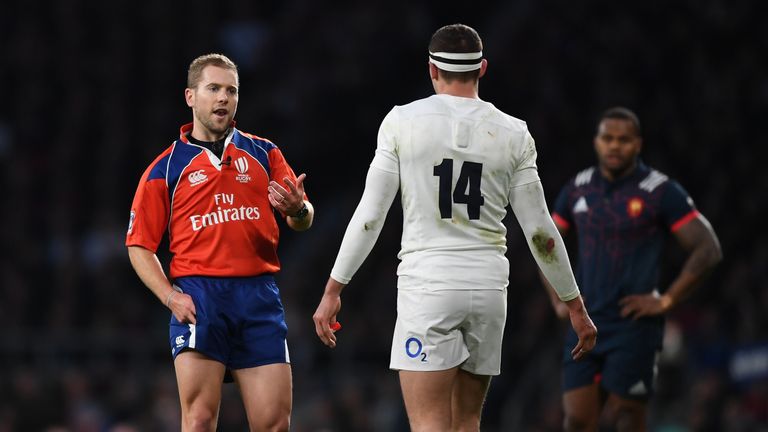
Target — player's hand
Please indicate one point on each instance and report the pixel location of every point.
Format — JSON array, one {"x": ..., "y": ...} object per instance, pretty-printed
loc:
[
  {"x": 640, "y": 305},
  {"x": 290, "y": 199},
  {"x": 325, "y": 317},
  {"x": 183, "y": 308},
  {"x": 583, "y": 326}
]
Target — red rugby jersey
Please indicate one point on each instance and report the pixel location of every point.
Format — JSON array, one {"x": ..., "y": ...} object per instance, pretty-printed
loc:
[{"x": 218, "y": 216}]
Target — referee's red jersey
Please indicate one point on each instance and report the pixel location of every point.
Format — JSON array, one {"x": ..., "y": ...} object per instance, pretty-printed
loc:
[{"x": 218, "y": 216}]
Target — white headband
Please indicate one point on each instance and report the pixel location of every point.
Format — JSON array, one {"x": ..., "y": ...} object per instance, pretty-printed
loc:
[{"x": 456, "y": 62}]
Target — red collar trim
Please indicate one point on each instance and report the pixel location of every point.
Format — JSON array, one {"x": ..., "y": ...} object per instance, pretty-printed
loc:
[{"x": 187, "y": 128}]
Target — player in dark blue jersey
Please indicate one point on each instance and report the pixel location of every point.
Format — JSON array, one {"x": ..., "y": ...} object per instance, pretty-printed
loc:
[{"x": 623, "y": 213}]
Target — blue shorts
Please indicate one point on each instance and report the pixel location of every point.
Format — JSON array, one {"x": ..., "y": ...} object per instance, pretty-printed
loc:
[
  {"x": 623, "y": 362},
  {"x": 240, "y": 321}
]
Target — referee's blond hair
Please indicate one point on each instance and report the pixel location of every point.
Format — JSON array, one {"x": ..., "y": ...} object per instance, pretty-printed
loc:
[{"x": 196, "y": 67}]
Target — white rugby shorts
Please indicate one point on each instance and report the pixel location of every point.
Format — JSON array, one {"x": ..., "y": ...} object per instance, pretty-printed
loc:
[{"x": 439, "y": 330}]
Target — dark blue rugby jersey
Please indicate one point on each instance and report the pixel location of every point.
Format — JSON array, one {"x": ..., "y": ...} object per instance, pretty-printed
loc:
[{"x": 622, "y": 227}]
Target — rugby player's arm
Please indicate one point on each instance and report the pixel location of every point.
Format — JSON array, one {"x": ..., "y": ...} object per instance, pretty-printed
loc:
[
  {"x": 561, "y": 309},
  {"x": 381, "y": 187},
  {"x": 150, "y": 271},
  {"x": 546, "y": 244},
  {"x": 700, "y": 241}
]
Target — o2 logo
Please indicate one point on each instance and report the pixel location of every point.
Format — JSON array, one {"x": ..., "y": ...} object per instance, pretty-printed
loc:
[{"x": 413, "y": 348}]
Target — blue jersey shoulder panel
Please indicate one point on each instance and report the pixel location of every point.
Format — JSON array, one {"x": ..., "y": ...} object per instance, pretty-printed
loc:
[
  {"x": 180, "y": 158},
  {"x": 258, "y": 148},
  {"x": 159, "y": 170}
]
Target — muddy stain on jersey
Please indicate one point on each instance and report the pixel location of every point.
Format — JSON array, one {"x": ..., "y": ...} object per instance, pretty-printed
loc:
[{"x": 544, "y": 246}]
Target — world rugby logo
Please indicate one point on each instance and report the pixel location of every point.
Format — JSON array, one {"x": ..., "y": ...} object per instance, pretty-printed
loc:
[
  {"x": 197, "y": 177},
  {"x": 241, "y": 164}
]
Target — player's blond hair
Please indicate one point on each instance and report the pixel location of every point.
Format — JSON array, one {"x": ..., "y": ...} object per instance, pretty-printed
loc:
[{"x": 196, "y": 67}]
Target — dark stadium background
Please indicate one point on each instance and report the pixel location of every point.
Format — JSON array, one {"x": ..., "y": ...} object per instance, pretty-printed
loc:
[{"x": 94, "y": 90}]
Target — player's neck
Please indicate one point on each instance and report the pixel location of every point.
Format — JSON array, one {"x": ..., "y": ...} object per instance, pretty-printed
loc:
[
  {"x": 201, "y": 133},
  {"x": 216, "y": 147},
  {"x": 611, "y": 175},
  {"x": 458, "y": 89}
]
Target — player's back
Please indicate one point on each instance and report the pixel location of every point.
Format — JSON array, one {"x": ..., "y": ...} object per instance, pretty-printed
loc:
[{"x": 457, "y": 159}]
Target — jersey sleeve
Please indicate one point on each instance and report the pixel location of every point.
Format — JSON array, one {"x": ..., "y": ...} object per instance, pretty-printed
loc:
[
  {"x": 386, "y": 157},
  {"x": 561, "y": 211},
  {"x": 677, "y": 207},
  {"x": 526, "y": 170},
  {"x": 365, "y": 226},
  {"x": 543, "y": 239},
  {"x": 279, "y": 169},
  {"x": 149, "y": 211}
]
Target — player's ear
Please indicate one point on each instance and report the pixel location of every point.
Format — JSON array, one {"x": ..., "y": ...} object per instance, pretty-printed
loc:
[
  {"x": 433, "y": 72},
  {"x": 483, "y": 67},
  {"x": 189, "y": 96}
]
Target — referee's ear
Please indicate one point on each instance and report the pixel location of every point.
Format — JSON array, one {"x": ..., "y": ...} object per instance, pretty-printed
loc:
[{"x": 189, "y": 97}]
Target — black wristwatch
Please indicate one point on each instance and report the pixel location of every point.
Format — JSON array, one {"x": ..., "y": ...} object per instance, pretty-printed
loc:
[{"x": 302, "y": 213}]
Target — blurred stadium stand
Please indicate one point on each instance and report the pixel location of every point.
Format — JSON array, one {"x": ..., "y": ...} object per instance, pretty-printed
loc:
[{"x": 94, "y": 90}]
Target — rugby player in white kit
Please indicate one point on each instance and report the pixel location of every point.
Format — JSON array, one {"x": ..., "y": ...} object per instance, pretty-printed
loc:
[{"x": 457, "y": 162}]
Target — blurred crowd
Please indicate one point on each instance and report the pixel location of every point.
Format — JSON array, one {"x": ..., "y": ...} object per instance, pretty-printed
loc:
[{"x": 95, "y": 91}]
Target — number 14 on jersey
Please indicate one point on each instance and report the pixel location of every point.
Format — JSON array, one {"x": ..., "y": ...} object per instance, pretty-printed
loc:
[{"x": 467, "y": 190}]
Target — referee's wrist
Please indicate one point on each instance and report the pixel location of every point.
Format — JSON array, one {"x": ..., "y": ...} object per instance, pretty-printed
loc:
[
  {"x": 302, "y": 213},
  {"x": 168, "y": 299}
]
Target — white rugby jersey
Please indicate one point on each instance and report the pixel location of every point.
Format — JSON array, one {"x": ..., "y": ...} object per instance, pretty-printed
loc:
[{"x": 457, "y": 159}]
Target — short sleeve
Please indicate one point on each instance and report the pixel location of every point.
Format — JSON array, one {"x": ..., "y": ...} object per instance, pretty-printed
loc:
[
  {"x": 677, "y": 207},
  {"x": 526, "y": 170},
  {"x": 279, "y": 168},
  {"x": 386, "y": 157},
  {"x": 561, "y": 211},
  {"x": 149, "y": 213}
]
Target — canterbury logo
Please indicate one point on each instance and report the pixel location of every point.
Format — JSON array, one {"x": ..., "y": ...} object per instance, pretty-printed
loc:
[
  {"x": 242, "y": 165},
  {"x": 197, "y": 177}
]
